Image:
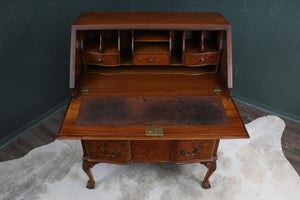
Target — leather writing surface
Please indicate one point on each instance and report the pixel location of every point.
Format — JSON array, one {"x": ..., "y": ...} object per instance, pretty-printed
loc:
[{"x": 152, "y": 111}]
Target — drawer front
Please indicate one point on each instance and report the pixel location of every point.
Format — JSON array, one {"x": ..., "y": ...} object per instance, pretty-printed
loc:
[
  {"x": 192, "y": 150},
  {"x": 105, "y": 60},
  {"x": 150, "y": 151},
  {"x": 201, "y": 59},
  {"x": 108, "y": 151},
  {"x": 150, "y": 59}
]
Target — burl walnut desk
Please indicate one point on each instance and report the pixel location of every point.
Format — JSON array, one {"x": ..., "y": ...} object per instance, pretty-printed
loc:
[{"x": 151, "y": 87}]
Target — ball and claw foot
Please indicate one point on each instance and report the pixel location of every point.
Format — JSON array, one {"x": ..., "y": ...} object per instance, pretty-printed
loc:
[
  {"x": 211, "y": 167},
  {"x": 205, "y": 185},
  {"x": 90, "y": 184},
  {"x": 86, "y": 166}
]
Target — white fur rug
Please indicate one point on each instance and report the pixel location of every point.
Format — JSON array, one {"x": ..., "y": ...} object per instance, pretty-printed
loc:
[{"x": 246, "y": 169}]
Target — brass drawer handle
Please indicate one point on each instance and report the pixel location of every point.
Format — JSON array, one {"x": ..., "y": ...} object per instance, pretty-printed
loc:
[
  {"x": 191, "y": 154},
  {"x": 110, "y": 155}
]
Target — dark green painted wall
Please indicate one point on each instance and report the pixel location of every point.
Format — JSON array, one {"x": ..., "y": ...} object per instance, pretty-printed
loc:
[{"x": 34, "y": 52}]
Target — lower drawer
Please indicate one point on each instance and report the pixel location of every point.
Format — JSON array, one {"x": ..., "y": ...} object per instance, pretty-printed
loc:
[
  {"x": 201, "y": 59},
  {"x": 108, "y": 151},
  {"x": 177, "y": 152},
  {"x": 192, "y": 151},
  {"x": 150, "y": 151},
  {"x": 150, "y": 59},
  {"x": 97, "y": 59}
]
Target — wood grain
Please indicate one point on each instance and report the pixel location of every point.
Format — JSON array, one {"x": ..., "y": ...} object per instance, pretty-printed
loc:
[
  {"x": 102, "y": 60},
  {"x": 204, "y": 153},
  {"x": 128, "y": 20},
  {"x": 201, "y": 59},
  {"x": 150, "y": 151},
  {"x": 99, "y": 151},
  {"x": 150, "y": 59}
]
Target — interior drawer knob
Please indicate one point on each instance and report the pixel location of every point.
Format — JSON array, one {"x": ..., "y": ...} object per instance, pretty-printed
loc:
[
  {"x": 151, "y": 60},
  {"x": 99, "y": 60},
  {"x": 202, "y": 59}
]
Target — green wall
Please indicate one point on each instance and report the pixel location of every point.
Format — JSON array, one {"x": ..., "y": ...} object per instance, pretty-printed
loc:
[{"x": 35, "y": 38}]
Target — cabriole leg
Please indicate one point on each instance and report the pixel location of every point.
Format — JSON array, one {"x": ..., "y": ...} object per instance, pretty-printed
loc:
[
  {"x": 211, "y": 167},
  {"x": 86, "y": 166}
]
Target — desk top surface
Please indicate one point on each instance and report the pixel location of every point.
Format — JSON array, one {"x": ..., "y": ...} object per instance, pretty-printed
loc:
[
  {"x": 151, "y": 111},
  {"x": 155, "y": 19}
]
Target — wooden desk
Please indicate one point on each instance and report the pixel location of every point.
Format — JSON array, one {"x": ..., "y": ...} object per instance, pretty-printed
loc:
[{"x": 151, "y": 87}]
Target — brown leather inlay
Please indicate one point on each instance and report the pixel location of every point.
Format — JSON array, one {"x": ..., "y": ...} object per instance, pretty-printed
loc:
[{"x": 152, "y": 111}]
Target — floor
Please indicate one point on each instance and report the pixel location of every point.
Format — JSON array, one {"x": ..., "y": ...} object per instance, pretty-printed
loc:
[{"x": 47, "y": 131}]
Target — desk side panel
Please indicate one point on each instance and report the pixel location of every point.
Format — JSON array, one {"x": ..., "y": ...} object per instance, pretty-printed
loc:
[
  {"x": 226, "y": 59},
  {"x": 75, "y": 58}
]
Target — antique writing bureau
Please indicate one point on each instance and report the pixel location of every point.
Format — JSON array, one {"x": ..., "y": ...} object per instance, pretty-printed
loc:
[{"x": 151, "y": 87}]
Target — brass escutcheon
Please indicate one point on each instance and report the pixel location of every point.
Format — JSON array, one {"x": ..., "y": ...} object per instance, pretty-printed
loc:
[{"x": 154, "y": 131}]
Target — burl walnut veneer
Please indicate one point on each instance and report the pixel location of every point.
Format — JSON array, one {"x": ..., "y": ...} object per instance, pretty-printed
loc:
[{"x": 151, "y": 87}]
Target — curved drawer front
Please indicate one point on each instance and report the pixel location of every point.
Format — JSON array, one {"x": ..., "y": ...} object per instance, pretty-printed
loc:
[
  {"x": 109, "y": 151},
  {"x": 150, "y": 151},
  {"x": 177, "y": 152},
  {"x": 150, "y": 59},
  {"x": 97, "y": 59},
  {"x": 201, "y": 59},
  {"x": 192, "y": 151}
]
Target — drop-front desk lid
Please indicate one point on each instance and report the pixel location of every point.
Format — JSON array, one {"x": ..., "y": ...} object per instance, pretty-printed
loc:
[{"x": 117, "y": 108}]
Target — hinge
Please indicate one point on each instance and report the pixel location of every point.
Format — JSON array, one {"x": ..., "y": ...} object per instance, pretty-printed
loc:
[
  {"x": 217, "y": 90},
  {"x": 228, "y": 93},
  {"x": 73, "y": 97},
  {"x": 84, "y": 90},
  {"x": 73, "y": 94}
]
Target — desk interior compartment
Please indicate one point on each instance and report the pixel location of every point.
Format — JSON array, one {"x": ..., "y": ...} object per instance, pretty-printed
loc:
[
  {"x": 101, "y": 47},
  {"x": 202, "y": 41},
  {"x": 202, "y": 48},
  {"x": 126, "y": 47},
  {"x": 151, "y": 36},
  {"x": 151, "y": 47},
  {"x": 176, "y": 48}
]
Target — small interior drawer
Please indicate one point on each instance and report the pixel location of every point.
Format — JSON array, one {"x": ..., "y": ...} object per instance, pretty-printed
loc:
[
  {"x": 201, "y": 59},
  {"x": 99, "y": 150},
  {"x": 97, "y": 59},
  {"x": 192, "y": 150},
  {"x": 150, "y": 59}
]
